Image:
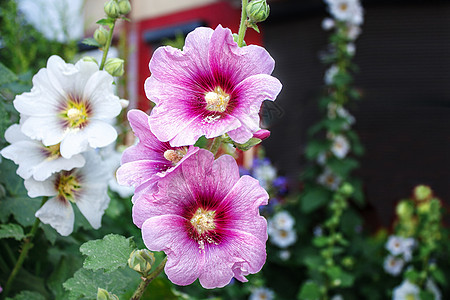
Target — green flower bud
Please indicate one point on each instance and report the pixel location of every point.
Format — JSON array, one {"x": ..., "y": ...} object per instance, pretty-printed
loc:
[
  {"x": 422, "y": 192},
  {"x": 112, "y": 9},
  {"x": 103, "y": 294},
  {"x": 90, "y": 58},
  {"x": 404, "y": 209},
  {"x": 124, "y": 7},
  {"x": 257, "y": 11},
  {"x": 114, "y": 66},
  {"x": 141, "y": 261},
  {"x": 101, "y": 35},
  {"x": 346, "y": 189}
]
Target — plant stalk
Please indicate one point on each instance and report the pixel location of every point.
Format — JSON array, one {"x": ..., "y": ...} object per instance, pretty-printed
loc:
[
  {"x": 243, "y": 24},
  {"x": 146, "y": 281},
  {"x": 108, "y": 44}
]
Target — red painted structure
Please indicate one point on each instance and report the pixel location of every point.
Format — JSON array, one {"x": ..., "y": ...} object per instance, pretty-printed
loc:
[{"x": 212, "y": 15}]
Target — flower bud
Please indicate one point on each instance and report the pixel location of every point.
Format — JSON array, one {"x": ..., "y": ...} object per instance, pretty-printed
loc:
[
  {"x": 141, "y": 261},
  {"x": 90, "y": 58},
  {"x": 404, "y": 209},
  {"x": 101, "y": 35},
  {"x": 103, "y": 294},
  {"x": 422, "y": 192},
  {"x": 114, "y": 66},
  {"x": 112, "y": 9},
  {"x": 262, "y": 134},
  {"x": 124, "y": 7},
  {"x": 257, "y": 11},
  {"x": 346, "y": 189}
]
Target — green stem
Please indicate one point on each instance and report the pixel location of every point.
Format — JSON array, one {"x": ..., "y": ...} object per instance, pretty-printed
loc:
[
  {"x": 146, "y": 281},
  {"x": 215, "y": 145},
  {"x": 25, "y": 248},
  {"x": 243, "y": 24},
  {"x": 108, "y": 44}
]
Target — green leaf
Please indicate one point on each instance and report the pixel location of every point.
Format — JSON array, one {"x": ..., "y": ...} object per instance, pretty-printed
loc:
[
  {"x": 107, "y": 22},
  {"x": 309, "y": 291},
  {"x": 426, "y": 295},
  {"x": 314, "y": 198},
  {"x": 11, "y": 231},
  {"x": 23, "y": 210},
  {"x": 6, "y": 75},
  {"x": 202, "y": 142},
  {"x": 340, "y": 277},
  {"x": 91, "y": 42},
  {"x": 439, "y": 276},
  {"x": 342, "y": 167},
  {"x": 65, "y": 268},
  {"x": 27, "y": 295},
  {"x": 247, "y": 145},
  {"x": 50, "y": 233},
  {"x": 315, "y": 147},
  {"x": 110, "y": 253},
  {"x": 320, "y": 241},
  {"x": 85, "y": 283}
]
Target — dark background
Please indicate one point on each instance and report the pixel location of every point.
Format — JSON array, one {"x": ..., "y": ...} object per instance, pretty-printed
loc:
[{"x": 403, "y": 119}]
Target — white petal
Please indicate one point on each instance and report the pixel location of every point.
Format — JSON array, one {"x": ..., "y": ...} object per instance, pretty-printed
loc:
[
  {"x": 100, "y": 134},
  {"x": 75, "y": 142},
  {"x": 58, "y": 214},
  {"x": 48, "y": 129},
  {"x": 14, "y": 134},
  {"x": 40, "y": 188},
  {"x": 26, "y": 154},
  {"x": 93, "y": 204},
  {"x": 48, "y": 167}
]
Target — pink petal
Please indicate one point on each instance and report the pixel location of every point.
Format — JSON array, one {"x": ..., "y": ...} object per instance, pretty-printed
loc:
[{"x": 167, "y": 233}]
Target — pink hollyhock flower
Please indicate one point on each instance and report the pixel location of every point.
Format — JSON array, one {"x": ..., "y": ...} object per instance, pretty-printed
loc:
[
  {"x": 210, "y": 88},
  {"x": 206, "y": 219},
  {"x": 144, "y": 164}
]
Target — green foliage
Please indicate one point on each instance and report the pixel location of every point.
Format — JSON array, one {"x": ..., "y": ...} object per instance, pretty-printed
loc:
[
  {"x": 11, "y": 231},
  {"x": 27, "y": 295},
  {"x": 85, "y": 282},
  {"x": 309, "y": 291},
  {"x": 109, "y": 253},
  {"x": 313, "y": 198}
]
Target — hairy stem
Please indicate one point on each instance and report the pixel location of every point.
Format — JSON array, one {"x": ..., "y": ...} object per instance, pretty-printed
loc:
[
  {"x": 146, "y": 281},
  {"x": 215, "y": 145},
  {"x": 108, "y": 44},
  {"x": 25, "y": 248},
  {"x": 243, "y": 24}
]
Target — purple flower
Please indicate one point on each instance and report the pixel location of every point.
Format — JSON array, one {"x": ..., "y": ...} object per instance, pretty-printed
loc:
[
  {"x": 150, "y": 160},
  {"x": 210, "y": 88},
  {"x": 206, "y": 219}
]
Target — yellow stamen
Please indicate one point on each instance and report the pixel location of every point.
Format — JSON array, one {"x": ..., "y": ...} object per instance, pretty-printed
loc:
[
  {"x": 67, "y": 186},
  {"x": 203, "y": 220},
  {"x": 217, "y": 100}
]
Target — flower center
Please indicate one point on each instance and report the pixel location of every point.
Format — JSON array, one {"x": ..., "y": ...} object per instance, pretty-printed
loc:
[
  {"x": 76, "y": 113},
  {"x": 203, "y": 220},
  {"x": 67, "y": 186},
  {"x": 175, "y": 156},
  {"x": 217, "y": 100},
  {"x": 52, "y": 152},
  {"x": 343, "y": 6}
]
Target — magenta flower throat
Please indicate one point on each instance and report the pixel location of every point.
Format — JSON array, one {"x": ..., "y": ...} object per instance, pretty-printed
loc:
[
  {"x": 210, "y": 88},
  {"x": 206, "y": 219}
]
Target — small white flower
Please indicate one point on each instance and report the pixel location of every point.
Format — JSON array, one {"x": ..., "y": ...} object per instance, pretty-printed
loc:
[
  {"x": 330, "y": 73},
  {"x": 351, "y": 49},
  {"x": 349, "y": 11},
  {"x": 343, "y": 113},
  {"x": 398, "y": 245},
  {"x": 262, "y": 293},
  {"x": 322, "y": 158},
  {"x": 285, "y": 254},
  {"x": 433, "y": 288},
  {"x": 337, "y": 297},
  {"x": 283, "y": 238},
  {"x": 70, "y": 104},
  {"x": 282, "y": 220},
  {"x": 34, "y": 159},
  {"x": 329, "y": 179},
  {"x": 340, "y": 146},
  {"x": 327, "y": 24},
  {"x": 393, "y": 265},
  {"x": 406, "y": 291},
  {"x": 265, "y": 174},
  {"x": 86, "y": 187}
]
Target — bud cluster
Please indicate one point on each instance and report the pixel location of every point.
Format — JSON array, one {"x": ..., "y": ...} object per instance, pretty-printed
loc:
[{"x": 116, "y": 8}]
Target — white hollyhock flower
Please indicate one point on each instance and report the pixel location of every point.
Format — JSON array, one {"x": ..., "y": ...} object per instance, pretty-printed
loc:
[
  {"x": 327, "y": 24},
  {"x": 70, "y": 104},
  {"x": 284, "y": 255},
  {"x": 433, "y": 288},
  {"x": 398, "y": 245},
  {"x": 262, "y": 293},
  {"x": 34, "y": 159},
  {"x": 353, "y": 32},
  {"x": 329, "y": 179},
  {"x": 340, "y": 146},
  {"x": 406, "y": 291},
  {"x": 349, "y": 11},
  {"x": 265, "y": 173},
  {"x": 282, "y": 220},
  {"x": 330, "y": 73},
  {"x": 393, "y": 265},
  {"x": 283, "y": 238},
  {"x": 85, "y": 187}
]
